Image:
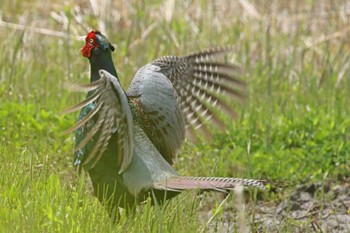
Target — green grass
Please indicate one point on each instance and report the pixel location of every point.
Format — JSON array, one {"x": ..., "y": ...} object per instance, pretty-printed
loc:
[{"x": 294, "y": 127}]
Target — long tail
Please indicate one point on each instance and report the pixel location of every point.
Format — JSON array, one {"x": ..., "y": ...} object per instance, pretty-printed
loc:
[{"x": 222, "y": 184}]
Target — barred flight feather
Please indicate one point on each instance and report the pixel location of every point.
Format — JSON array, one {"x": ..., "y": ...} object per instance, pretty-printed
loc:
[
  {"x": 82, "y": 104},
  {"x": 83, "y": 121},
  {"x": 204, "y": 85}
]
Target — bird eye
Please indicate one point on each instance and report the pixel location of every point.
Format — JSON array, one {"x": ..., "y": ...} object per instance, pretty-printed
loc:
[{"x": 91, "y": 41}]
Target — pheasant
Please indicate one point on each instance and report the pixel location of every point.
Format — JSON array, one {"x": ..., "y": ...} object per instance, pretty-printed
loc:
[{"x": 127, "y": 141}]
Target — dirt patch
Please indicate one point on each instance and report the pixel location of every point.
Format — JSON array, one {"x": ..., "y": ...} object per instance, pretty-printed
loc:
[
  {"x": 308, "y": 208},
  {"x": 313, "y": 207}
]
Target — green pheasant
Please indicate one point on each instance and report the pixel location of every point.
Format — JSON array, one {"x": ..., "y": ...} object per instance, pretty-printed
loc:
[{"x": 127, "y": 141}]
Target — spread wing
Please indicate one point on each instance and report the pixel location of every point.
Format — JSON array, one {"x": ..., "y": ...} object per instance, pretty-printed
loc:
[
  {"x": 158, "y": 111},
  {"x": 108, "y": 115},
  {"x": 205, "y": 86},
  {"x": 174, "y": 95}
]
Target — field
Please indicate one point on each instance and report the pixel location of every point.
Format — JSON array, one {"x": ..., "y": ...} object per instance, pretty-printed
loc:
[{"x": 293, "y": 130}]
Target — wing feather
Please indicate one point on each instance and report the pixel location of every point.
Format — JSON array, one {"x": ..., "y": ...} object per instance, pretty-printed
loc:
[
  {"x": 110, "y": 116},
  {"x": 158, "y": 111},
  {"x": 198, "y": 87},
  {"x": 204, "y": 86}
]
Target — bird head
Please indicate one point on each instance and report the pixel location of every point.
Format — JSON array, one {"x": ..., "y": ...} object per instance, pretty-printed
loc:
[{"x": 96, "y": 43}]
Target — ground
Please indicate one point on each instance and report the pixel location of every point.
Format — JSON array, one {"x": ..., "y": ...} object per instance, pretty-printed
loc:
[{"x": 314, "y": 207}]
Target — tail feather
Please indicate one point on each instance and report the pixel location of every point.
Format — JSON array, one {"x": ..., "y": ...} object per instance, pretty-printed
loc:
[{"x": 180, "y": 183}]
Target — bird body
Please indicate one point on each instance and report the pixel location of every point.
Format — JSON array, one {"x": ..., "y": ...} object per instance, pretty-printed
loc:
[
  {"x": 133, "y": 184},
  {"x": 127, "y": 141}
]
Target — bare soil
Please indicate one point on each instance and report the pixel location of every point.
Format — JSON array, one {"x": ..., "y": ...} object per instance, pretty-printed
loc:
[{"x": 316, "y": 207}]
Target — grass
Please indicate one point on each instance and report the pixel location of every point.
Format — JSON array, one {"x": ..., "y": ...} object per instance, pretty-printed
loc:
[{"x": 293, "y": 128}]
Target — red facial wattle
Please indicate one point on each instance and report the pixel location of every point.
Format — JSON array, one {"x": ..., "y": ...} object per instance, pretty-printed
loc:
[{"x": 90, "y": 43}]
